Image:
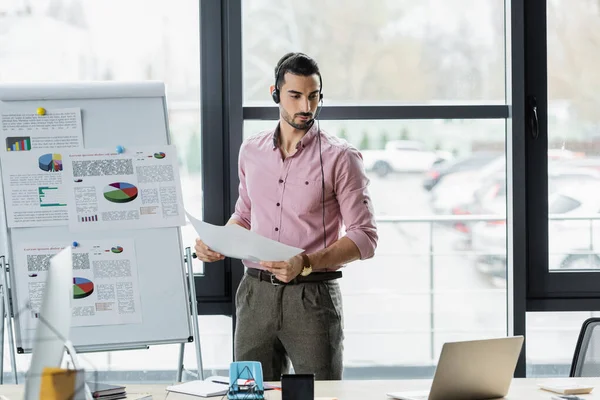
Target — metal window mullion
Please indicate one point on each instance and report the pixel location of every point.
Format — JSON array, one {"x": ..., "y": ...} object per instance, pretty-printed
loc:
[{"x": 383, "y": 112}]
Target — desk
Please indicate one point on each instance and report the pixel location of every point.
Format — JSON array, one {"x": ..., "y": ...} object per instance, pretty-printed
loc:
[{"x": 521, "y": 389}]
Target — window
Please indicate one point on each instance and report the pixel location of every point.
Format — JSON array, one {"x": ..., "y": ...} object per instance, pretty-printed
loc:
[
  {"x": 438, "y": 274},
  {"x": 389, "y": 52},
  {"x": 65, "y": 41},
  {"x": 552, "y": 337},
  {"x": 564, "y": 83},
  {"x": 573, "y": 120}
]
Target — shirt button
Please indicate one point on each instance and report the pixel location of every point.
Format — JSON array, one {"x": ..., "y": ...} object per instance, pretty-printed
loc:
[
  {"x": 281, "y": 181},
  {"x": 278, "y": 204},
  {"x": 276, "y": 229},
  {"x": 306, "y": 183}
]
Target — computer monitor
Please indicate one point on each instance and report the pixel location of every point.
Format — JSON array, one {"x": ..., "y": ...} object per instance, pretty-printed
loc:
[{"x": 54, "y": 322}]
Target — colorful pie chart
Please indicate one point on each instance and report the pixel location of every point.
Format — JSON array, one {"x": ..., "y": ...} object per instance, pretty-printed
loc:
[
  {"x": 120, "y": 192},
  {"x": 50, "y": 162},
  {"x": 82, "y": 288},
  {"x": 117, "y": 249},
  {"x": 160, "y": 155}
]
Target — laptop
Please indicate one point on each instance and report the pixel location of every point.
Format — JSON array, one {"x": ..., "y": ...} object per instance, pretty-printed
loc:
[{"x": 471, "y": 370}]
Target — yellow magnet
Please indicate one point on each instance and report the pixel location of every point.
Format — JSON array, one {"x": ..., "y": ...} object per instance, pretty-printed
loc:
[{"x": 41, "y": 111}]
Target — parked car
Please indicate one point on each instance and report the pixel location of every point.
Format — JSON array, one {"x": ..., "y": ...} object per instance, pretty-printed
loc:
[
  {"x": 491, "y": 195},
  {"x": 457, "y": 189},
  {"x": 473, "y": 162},
  {"x": 451, "y": 194},
  {"x": 402, "y": 156},
  {"x": 573, "y": 244}
]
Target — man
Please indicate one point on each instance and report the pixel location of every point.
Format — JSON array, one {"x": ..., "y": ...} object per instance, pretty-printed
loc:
[{"x": 291, "y": 310}]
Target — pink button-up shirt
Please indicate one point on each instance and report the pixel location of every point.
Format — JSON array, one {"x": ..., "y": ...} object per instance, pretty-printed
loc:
[{"x": 282, "y": 199}]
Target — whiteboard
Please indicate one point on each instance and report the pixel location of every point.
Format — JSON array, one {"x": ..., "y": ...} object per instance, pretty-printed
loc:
[{"x": 112, "y": 113}]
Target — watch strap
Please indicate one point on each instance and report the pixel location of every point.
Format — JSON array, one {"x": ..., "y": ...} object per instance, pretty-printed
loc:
[{"x": 305, "y": 261}]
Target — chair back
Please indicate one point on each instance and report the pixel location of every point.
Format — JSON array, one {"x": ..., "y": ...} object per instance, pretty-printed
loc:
[{"x": 586, "y": 359}]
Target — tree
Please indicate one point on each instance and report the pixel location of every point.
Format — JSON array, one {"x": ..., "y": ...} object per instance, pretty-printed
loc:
[
  {"x": 361, "y": 51},
  {"x": 343, "y": 134},
  {"x": 383, "y": 139},
  {"x": 364, "y": 141},
  {"x": 404, "y": 134},
  {"x": 574, "y": 37}
]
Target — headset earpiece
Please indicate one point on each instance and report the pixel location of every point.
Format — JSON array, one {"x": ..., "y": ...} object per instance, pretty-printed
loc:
[{"x": 275, "y": 96}]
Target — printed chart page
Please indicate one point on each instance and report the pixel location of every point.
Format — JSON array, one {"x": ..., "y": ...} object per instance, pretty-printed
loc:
[
  {"x": 105, "y": 281},
  {"x": 137, "y": 189},
  {"x": 32, "y": 165}
]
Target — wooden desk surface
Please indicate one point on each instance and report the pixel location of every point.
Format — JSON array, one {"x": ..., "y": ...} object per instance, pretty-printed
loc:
[{"x": 521, "y": 389}]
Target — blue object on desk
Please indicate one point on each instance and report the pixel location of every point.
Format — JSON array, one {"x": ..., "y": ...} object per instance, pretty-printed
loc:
[
  {"x": 246, "y": 381},
  {"x": 75, "y": 244},
  {"x": 120, "y": 149}
]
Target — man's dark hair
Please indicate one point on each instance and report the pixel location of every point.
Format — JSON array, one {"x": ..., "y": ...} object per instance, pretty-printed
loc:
[{"x": 297, "y": 64}]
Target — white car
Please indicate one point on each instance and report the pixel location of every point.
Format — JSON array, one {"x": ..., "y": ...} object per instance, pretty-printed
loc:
[
  {"x": 458, "y": 189},
  {"x": 402, "y": 156},
  {"x": 573, "y": 234}
]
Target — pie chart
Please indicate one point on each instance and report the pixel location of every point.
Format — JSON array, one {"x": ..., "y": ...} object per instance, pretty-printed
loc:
[
  {"x": 160, "y": 155},
  {"x": 117, "y": 249},
  {"x": 50, "y": 162},
  {"x": 120, "y": 192},
  {"x": 82, "y": 288}
]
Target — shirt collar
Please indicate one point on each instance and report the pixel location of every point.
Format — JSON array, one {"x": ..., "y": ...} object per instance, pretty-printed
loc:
[{"x": 305, "y": 141}]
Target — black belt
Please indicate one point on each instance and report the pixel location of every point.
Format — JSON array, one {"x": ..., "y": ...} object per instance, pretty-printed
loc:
[{"x": 314, "y": 277}]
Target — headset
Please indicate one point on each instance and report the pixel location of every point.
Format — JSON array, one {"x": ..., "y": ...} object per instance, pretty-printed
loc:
[{"x": 277, "y": 98}]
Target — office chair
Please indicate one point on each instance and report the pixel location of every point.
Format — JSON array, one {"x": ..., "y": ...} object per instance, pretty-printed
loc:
[{"x": 586, "y": 359}]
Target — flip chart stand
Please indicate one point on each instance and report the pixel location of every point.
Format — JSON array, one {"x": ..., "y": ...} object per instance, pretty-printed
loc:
[
  {"x": 194, "y": 308},
  {"x": 5, "y": 312}
]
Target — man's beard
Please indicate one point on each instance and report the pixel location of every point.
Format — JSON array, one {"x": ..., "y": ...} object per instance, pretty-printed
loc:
[{"x": 300, "y": 126}]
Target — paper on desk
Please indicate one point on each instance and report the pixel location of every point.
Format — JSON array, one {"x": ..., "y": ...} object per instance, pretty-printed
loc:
[{"x": 236, "y": 242}]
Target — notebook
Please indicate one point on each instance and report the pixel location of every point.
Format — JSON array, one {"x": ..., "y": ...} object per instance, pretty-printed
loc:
[
  {"x": 200, "y": 388},
  {"x": 100, "y": 390}
]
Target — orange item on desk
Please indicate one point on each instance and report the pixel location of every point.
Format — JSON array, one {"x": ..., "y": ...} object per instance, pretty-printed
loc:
[{"x": 61, "y": 384}]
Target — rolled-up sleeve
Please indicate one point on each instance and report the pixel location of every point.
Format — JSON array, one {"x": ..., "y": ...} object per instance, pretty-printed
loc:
[
  {"x": 355, "y": 202},
  {"x": 243, "y": 204}
]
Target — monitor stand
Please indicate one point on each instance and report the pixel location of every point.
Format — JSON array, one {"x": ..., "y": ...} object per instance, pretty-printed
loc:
[{"x": 76, "y": 366}]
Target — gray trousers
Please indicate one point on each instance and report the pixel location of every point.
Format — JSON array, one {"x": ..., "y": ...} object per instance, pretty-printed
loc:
[{"x": 300, "y": 323}]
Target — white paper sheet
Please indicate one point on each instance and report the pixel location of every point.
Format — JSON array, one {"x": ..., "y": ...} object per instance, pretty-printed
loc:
[
  {"x": 105, "y": 281},
  {"x": 137, "y": 189},
  {"x": 32, "y": 164},
  {"x": 57, "y": 129},
  {"x": 34, "y": 188},
  {"x": 236, "y": 242}
]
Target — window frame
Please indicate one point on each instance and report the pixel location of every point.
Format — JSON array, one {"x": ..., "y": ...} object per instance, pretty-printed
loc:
[
  {"x": 223, "y": 114},
  {"x": 546, "y": 290}
]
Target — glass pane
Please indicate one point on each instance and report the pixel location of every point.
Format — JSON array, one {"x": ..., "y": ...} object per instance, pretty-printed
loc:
[
  {"x": 158, "y": 364},
  {"x": 401, "y": 51},
  {"x": 551, "y": 341},
  {"x": 573, "y": 140},
  {"x": 121, "y": 40},
  {"x": 433, "y": 279}
]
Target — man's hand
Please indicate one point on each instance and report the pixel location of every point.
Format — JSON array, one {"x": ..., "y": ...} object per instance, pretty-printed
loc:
[
  {"x": 285, "y": 271},
  {"x": 205, "y": 254}
]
